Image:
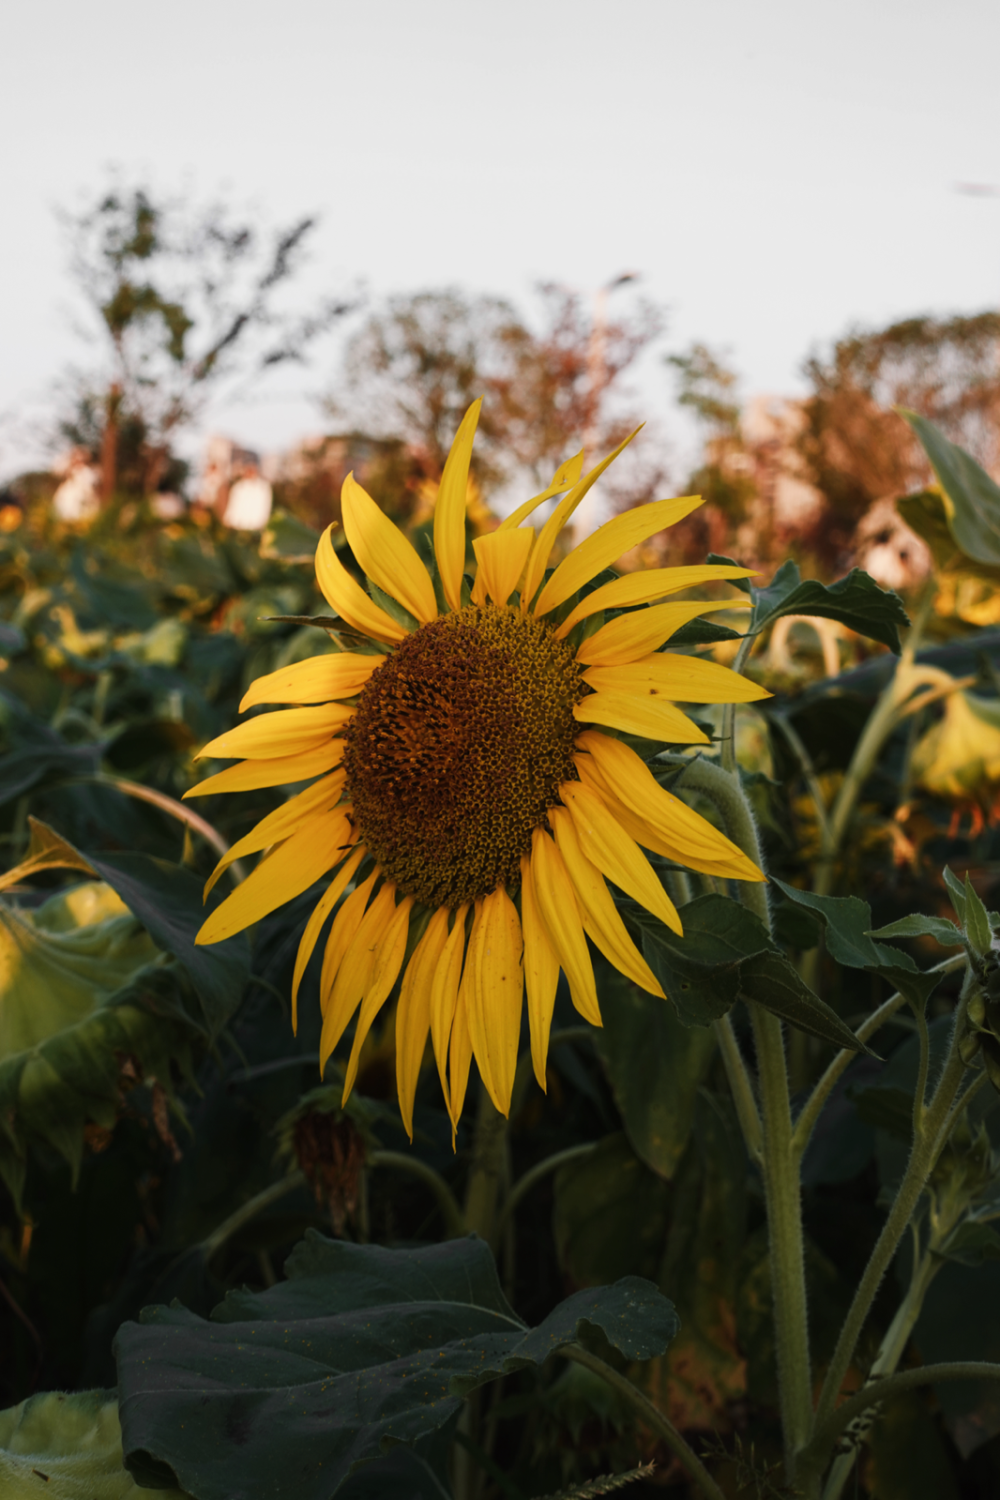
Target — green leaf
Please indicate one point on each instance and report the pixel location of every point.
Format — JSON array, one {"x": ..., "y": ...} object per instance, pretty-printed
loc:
[
  {"x": 848, "y": 922},
  {"x": 941, "y": 929},
  {"x": 725, "y": 955},
  {"x": 287, "y": 538},
  {"x": 908, "y": 1457},
  {"x": 361, "y": 1348},
  {"x": 972, "y": 1243},
  {"x": 700, "y": 971},
  {"x": 977, "y": 922},
  {"x": 611, "y": 1215},
  {"x": 703, "y": 633},
  {"x": 856, "y": 601},
  {"x": 972, "y": 500},
  {"x": 68, "y": 1447},
  {"x": 956, "y": 889},
  {"x": 886, "y": 1108},
  {"x": 655, "y": 1065},
  {"x": 772, "y": 980},
  {"x": 167, "y": 900},
  {"x": 718, "y": 559}
]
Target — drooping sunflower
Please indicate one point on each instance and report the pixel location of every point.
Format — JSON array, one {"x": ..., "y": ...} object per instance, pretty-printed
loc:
[{"x": 468, "y": 786}]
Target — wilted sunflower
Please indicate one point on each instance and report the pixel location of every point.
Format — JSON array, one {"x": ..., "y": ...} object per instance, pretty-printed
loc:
[{"x": 470, "y": 778}]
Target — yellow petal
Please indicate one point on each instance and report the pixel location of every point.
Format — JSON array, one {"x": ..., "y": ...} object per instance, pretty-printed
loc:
[
  {"x": 460, "y": 1056},
  {"x": 356, "y": 968},
  {"x": 608, "y": 543},
  {"x": 541, "y": 974},
  {"x": 413, "y": 1013},
  {"x": 682, "y": 679},
  {"x": 281, "y": 733},
  {"x": 694, "y": 841},
  {"x": 607, "y": 845},
  {"x": 322, "y": 796},
  {"x": 444, "y": 995},
  {"x": 342, "y": 934},
  {"x": 630, "y": 636},
  {"x": 348, "y": 599},
  {"x": 652, "y": 717},
  {"x": 449, "y": 509},
  {"x": 388, "y": 961},
  {"x": 560, "y": 911},
  {"x": 546, "y": 538},
  {"x": 285, "y": 873},
  {"x": 318, "y": 679},
  {"x": 600, "y": 915},
  {"x": 384, "y": 554},
  {"x": 279, "y": 770},
  {"x": 468, "y": 1001},
  {"x": 501, "y": 557},
  {"x": 314, "y": 926},
  {"x": 494, "y": 999},
  {"x": 565, "y": 477},
  {"x": 653, "y": 583}
]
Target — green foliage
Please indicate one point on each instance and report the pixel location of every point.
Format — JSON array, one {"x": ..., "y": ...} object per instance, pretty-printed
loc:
[
  {"x": 359, "y": 1349},
  {"x": 70, "y": 1445}
]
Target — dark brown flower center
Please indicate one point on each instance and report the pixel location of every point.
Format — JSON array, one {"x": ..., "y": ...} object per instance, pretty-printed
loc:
[{"x": 460, "y": 742}]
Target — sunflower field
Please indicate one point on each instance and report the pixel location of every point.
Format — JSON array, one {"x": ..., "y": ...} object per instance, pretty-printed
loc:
[{"x": 480, "y": 1020}]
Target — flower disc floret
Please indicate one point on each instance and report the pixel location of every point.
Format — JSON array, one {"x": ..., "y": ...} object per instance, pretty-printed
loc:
[{"x": 457, "y": 750}]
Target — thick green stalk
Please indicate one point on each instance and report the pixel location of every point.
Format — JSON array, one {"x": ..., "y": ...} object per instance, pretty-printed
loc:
[
  {"x": 489, "y": 1143},
  {"x": 926, "y": 1149},
  {"x": 742, "y": 1089},
  {"x": 780, "y": 1164},
  {"x": 782, "y": 1190}
]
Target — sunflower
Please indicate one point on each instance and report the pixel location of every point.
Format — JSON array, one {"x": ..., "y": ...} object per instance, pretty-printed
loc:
[{"x": 469, "y": 789}]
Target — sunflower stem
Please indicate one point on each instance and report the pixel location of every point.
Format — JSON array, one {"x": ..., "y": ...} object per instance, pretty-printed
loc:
[
  {"x": 777, "y": 1155},
  {"x": 482, "y": 1191}
]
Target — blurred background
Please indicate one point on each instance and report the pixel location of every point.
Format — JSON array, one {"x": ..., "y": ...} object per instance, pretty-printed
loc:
[{"x": 250, "y": 246}]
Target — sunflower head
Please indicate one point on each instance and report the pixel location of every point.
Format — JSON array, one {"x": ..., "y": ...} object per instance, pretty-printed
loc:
[{"x": 468, "y": 791}]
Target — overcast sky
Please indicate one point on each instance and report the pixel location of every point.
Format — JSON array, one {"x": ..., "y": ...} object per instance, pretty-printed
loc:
[{"x": 776, "y": 170}]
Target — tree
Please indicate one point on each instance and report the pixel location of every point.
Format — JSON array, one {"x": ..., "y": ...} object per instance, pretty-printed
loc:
[
  {"x": 418, "y": 363},
  {"x": 855, "y": 447},
  {"x": 187, "y": 299}
]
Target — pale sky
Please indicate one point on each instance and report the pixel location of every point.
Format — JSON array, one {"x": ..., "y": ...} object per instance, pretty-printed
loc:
[{"x": 777, "y": 170}]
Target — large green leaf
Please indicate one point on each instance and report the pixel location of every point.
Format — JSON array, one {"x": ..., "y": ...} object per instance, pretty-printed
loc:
[
  {"x": 856, "y": 601},
  {"x": 655, "y": 1065},
  {"x": 725, "y": 955},
  {"x": 292, "y": 1389},
  {"x": 972, "y": 500},
  {"x": 68, "y": 1447},
  {"x": 102, "y": 988},
  {"x": 611, "y": 1215}
]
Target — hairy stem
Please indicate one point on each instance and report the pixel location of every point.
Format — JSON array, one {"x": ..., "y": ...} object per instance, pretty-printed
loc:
[
  {"x": 650, "y": 1415},
  {"x": 813, "y": 1107},
  {"x": 926, "y": 1149},
  {"x": 742, "y": 1089},
  {"x": 881, "y": 1390},
  {"x": 728, "y": 753},
  {"x": 488, "y": 1146},
  {"x": 782, "y": 1191},
  {"x": 925, "y": 1268}
]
